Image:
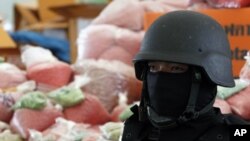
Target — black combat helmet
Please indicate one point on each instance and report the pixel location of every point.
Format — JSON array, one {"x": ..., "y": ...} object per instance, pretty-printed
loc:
[{"x": 191, "y": 38}]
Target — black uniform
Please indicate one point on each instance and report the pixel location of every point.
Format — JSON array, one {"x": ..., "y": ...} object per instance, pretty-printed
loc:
[{"x": 212, "y": 127}]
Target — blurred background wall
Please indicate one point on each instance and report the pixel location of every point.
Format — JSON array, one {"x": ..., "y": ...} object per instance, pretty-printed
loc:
[{"x": 6, "y": 8}]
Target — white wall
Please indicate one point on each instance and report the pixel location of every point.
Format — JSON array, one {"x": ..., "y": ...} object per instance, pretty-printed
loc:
[
  {"x": 6, "y": 8},
  {"x": 6, "y": 11}
]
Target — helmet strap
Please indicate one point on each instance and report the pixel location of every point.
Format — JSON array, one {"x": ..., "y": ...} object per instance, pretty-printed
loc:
[
  {"x": 190, "y": 112},
  {"x": 144, "y": 102}
]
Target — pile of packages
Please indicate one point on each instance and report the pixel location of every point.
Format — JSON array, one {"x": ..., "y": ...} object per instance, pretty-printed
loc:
[
  {"x": 51, "y": 95},
  {"x": 88, "y": 101},
  {"x": 117, "y": 32}
]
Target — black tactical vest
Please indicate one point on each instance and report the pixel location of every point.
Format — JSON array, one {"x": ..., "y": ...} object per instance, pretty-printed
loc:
[{"x": 212, "y": 128}]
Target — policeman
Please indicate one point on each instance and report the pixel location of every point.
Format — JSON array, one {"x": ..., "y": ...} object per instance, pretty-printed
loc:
[{"x": 184, "y": 56}]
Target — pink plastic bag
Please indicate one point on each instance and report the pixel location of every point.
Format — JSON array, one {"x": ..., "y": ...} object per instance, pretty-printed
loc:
[
  {"x": 229, "y": 3},
  {"x": 196, "y": 6},
  {"x": 177, "y": 3},
  {"x": 240, "y": 103},
  {"x": 25, "y": 119},
  {"x": 106, "y": 80},
  {"x": 11, "y": 76},
  {"x": 122, "y": 13},
  {"x": 89, "y": 111},
  {"x": 223, "y": 105},
  {"x": 50, "y": 74},
  {"x": 6, "y": 102},
  {"x": 158, "y": 6},
  {"x": 109, "y": 42}
]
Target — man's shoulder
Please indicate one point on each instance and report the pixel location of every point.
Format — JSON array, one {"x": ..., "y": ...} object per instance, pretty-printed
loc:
[
  {"x": 216, "y": 133},
  {"x": 232, "y": 119},
  {"x": 221, "y": 131}
]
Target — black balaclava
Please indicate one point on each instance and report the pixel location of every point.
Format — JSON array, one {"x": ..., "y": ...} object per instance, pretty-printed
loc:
[{"x": 169, "y": 92}]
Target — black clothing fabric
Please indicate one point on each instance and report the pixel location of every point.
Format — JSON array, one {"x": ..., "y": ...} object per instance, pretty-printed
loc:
[
  {"x": 169, "y": 92},
  {"x": 211, "y": 127},
  {"x": 193, "y": 130}
]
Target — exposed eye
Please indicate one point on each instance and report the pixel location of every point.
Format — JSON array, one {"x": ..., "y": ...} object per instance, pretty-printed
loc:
[
  {"x": 167, "y": 67},
  {"x": 153, "y": 68},
  {"x": 178, "y": 69}
]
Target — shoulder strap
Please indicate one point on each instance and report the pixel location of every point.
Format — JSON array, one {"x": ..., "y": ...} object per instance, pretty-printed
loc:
[{"x": 134, "y": 130}]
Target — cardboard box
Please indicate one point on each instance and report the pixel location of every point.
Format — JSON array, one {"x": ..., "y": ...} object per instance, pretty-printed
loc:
[
  {"x": 5, "y": 41},
  {"x": 8, "y": 49},
  {"x": 237, "y": 26}
]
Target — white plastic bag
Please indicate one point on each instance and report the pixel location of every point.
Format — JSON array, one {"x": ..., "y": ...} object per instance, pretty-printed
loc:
[
  {"x": 62, "y": 130},
  {"x": 11, "y": 76},
  {"x": 112, "y": 131},
  {"x": 228, "y": 3},
  {"x": 32, "y": 55},
  {"x": 245, "y": 70}
]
